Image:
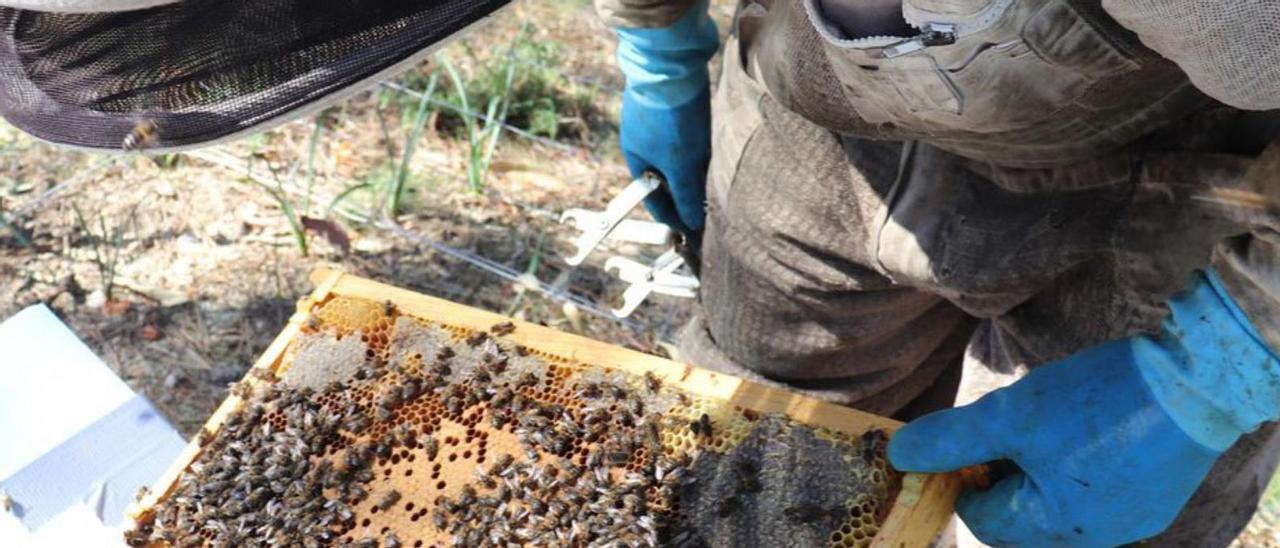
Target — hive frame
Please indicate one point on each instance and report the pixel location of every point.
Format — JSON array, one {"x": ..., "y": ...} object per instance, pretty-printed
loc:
[{"x": 921, "y": 509}]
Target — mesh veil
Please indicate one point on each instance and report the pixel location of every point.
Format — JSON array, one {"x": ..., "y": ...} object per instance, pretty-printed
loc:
[
  {"x": 1229, "y": 48},
  {"x": 201, "y": 70}
]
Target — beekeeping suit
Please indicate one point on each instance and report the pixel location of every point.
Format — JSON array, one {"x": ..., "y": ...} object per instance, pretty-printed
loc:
[
  {"x": 1069, "y": 186},
  {"x": 885, "y": 191}
]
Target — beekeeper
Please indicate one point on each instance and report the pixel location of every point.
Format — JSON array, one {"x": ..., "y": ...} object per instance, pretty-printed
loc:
[{"x": 888, "y": 190}]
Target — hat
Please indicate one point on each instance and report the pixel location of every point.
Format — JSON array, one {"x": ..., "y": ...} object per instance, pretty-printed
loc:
[{"x": 168, "y": 75}]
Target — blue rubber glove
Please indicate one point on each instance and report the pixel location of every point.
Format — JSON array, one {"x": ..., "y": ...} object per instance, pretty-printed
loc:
[
  {"x": 1113, "y": 441},
  {"x": 666, "y": 113}
]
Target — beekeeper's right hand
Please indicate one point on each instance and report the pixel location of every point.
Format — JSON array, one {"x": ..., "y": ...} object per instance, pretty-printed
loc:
[{"x": 1112, "y": 441}]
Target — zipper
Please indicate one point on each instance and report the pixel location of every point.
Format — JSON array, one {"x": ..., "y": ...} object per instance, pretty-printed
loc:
[{"x": 932, "y": 35}]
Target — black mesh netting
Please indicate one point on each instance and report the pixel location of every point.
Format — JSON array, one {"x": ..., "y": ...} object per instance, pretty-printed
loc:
[{"x": 199, "y": 70}]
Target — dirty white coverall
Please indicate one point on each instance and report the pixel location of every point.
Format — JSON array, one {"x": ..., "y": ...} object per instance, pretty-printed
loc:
[{"x": 877, "y": 224}]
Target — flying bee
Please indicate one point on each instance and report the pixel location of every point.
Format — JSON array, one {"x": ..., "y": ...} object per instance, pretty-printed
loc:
[{"x": 143, "y": 134}]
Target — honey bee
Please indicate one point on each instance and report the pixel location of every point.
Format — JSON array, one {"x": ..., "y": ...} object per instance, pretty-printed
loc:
[
  {"x": 388, "y": 500},
  {"x": 142, "y": 135},
  {"x": 475, "y": 339},
  {"x": 503, "y": 328},
  {"x": 701, "y": 427},
  {"x": 429, "y": 444},
  {"x": 388, "y": 308},
  {"x": 391, "y": 541},
  {"x": 652, "y": 381}
]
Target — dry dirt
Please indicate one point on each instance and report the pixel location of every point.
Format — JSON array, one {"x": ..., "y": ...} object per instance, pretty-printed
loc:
[{"x": 206, "y": 268}]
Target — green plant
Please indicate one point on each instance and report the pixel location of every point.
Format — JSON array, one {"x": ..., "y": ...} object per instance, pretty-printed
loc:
[
  {"x": 106, "y": 243},
  {"x": 400, "y": 178},
  {"x": 281, "y": 197},
  {"x": 481, "y": 140},
  {"x": 528, "y": 77},
  {"x": 530, "y": 272},
  {"x": 14, "y": 230},
  {"x": 316, "y": 129}
]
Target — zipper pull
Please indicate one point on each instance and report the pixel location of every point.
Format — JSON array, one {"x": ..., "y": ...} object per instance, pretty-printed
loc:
[{"x": 934, "y": 34}]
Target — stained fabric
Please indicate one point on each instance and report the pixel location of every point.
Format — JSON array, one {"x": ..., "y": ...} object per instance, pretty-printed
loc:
[
  {"x": 201, "y": 70},
  {"x": 861, "y": 270}
]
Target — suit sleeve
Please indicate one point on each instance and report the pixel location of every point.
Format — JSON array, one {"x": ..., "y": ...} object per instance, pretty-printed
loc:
[
  {"x": 1249, "y": 264},
  {"x": 646, "y": 14},
  {"x": 1229, "y": 48}
]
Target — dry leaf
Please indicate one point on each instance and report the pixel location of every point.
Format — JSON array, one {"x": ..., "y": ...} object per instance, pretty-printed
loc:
[{"x": 331, "y": 231}]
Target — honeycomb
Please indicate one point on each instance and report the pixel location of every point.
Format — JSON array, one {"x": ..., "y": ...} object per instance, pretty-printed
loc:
[{"x": 389, "y": 423}]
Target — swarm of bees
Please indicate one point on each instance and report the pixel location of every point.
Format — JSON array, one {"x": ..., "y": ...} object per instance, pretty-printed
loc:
[{"x": 295, "y": 466}]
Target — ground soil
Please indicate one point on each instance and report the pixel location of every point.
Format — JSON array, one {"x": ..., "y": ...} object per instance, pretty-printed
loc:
[{"x": 206, "y": 269}]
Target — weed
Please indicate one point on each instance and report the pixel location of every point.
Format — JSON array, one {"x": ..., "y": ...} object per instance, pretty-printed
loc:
[
  {"x": 539, "y": 97},
  {"x": 481, "y": 141},
  {"x": 530, "y": 273},
  {"x": 14, "y": 230},
  {"x": 281, "y": 197},
  {"x": 106, "y": 243},
  {"x": 395, "y": 193}
]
